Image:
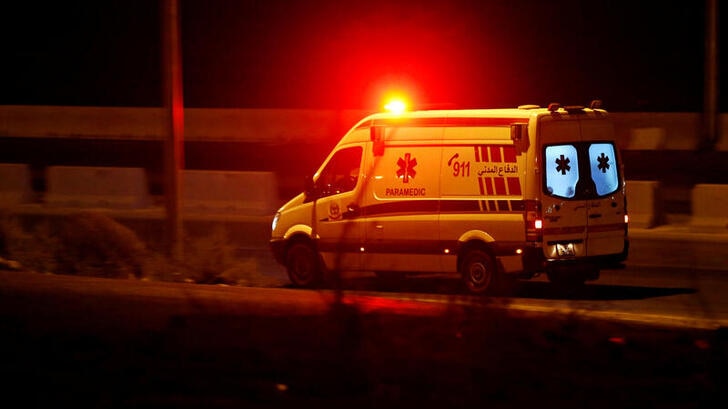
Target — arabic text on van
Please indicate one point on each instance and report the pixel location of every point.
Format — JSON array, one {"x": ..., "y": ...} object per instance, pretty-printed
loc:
[{"x": 499, "y": 170}]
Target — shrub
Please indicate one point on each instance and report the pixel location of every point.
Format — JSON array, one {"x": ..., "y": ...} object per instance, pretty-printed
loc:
[
  {"x": 206, "y": 258},
  {"x": 90, "y": 243},
  {"x": 94, "y": 244},
  {"x": 34, "y": 248}
]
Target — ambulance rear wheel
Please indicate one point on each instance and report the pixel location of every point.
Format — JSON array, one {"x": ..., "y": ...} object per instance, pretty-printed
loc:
[
  {"x": 479, "y": 271},
  {"x": 302, "y": 265}
]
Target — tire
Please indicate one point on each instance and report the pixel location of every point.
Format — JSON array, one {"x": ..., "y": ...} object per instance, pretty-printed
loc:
[
  {"x": 302, "y": 265},
  {"x": 479, "y": 272}
]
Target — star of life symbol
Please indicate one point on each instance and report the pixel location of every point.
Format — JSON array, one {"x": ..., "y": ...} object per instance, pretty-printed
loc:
[
  {"x": 406, "y": 168},
  {"x": 603, "y": 163},
  {"x": 562, "y": 164}
]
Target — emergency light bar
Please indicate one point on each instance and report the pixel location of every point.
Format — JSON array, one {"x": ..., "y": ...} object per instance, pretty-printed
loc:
[{"x": 396, "y": 106}]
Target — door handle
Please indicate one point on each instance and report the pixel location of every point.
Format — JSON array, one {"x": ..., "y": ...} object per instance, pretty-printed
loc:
[
  {"x": 352, "y": 210},
  {"x": 595, "y": 215}
]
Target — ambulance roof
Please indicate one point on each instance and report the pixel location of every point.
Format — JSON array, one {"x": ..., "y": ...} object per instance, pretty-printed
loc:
[{"x": 465, "y": 117}]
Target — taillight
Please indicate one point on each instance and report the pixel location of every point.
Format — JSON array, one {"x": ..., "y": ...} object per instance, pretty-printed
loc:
[
  {"x": 534, "y": 222},
  {"x": 626, "y": 218}
]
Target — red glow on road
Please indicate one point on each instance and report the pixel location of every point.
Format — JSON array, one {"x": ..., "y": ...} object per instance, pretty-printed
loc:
[{"x": 372, "y": 304}]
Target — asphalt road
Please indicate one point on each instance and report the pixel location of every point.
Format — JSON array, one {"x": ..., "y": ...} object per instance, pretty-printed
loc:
[
  {"x": 637, "y": 337},
  {"x": 659, "y": 295}
]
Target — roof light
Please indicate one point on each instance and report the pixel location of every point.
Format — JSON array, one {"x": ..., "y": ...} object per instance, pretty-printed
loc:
[{"x": 396, "y": 106}]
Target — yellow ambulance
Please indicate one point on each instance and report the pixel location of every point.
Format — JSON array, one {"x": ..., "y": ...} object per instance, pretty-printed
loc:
[{"x": 484, "y": 195}]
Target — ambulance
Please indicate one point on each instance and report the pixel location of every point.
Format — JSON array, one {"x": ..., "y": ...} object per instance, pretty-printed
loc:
[{"x": 485, "y": 195}]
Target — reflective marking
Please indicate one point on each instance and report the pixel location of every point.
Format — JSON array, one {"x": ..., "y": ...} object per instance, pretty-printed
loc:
[
  {"x": 564, "y": 230},
  {"x": 606, "y": 227}
]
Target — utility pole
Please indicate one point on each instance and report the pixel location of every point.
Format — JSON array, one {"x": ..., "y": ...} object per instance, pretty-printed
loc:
[
  {"x": 710, "y": 103},
  {"x": 174, "y": 114}
]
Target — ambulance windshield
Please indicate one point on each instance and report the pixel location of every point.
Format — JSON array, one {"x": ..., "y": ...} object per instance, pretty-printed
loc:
[{"x": 583, "y": 170}]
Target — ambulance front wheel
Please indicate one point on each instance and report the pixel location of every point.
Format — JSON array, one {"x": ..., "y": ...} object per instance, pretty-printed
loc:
[
  {"x": 302, "y": 265},
  {"x": 479, "y": 271}
]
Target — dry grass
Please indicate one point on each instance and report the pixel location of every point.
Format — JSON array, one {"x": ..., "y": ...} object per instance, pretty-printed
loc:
[
  {"x": 90, "y": 243},
  {"x": 34, "y": 247}
]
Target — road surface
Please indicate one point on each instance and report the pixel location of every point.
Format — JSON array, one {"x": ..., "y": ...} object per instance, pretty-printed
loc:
[{"x": 635, "y": 338}]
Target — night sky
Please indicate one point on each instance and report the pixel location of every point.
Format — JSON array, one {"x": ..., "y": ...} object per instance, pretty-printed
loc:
[{"x": 333, "y": 54}]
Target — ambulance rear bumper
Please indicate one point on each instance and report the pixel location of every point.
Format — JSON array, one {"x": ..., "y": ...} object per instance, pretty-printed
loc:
[{"x": 535, "y": 261}]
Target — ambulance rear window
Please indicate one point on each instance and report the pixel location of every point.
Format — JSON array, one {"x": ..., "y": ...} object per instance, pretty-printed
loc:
[
  {"x": 603, "y": 169},
  {"x": 583, "y": 170},
  {"x": 562, "y": 170}
]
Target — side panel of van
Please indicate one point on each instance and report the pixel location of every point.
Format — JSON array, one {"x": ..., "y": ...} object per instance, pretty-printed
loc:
[
  {"x": 401, "y": 202},
  {"x": 483, "y": 180}
]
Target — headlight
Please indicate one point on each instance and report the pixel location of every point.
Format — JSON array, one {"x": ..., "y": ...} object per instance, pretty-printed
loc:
[{"x": 275, "y": 221}]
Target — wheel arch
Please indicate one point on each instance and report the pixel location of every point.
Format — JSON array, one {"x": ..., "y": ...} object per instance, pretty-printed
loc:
[
  {"x": 474, "y": 240},
  {"x": 298, "y": 230},
  {"x": 299, "y": 233}
]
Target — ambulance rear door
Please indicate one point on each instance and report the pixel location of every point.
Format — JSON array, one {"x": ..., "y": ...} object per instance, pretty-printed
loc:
[
  {"x": 582, "y": 193},
  {"x": 606, "y": 226}
]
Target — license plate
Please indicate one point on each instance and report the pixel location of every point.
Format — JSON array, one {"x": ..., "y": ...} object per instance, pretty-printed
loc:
[{"x": 565, "y": 249}]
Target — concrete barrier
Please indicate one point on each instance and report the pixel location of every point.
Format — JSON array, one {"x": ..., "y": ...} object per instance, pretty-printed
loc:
[
  {"x": 229, "y": 192},
  {"x": 15, "y": 184},
  {"x": 647, "y": 138},
  {"x": 644, "y": 204},
  {"x": 100, "y": 187},
  {"x": 709, "y": 207}
]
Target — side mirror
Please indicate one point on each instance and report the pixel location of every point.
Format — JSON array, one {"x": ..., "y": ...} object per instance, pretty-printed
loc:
[{"x": 309, "y": 189}]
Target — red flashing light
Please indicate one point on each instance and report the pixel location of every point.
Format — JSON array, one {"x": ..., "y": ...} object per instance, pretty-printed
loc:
[{"x": 396, "y": 106}]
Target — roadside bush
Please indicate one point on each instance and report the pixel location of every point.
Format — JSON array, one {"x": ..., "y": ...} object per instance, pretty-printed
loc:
[
  {"x": 206, "y": 258},
  {"x": 93, "y": 244},
  {"x": 33, "y": 248}
]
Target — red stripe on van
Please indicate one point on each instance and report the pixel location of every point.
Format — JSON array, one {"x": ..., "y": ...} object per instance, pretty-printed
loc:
[
  {"x": 488, "y": 186},
  {"x": 600, "y": 228},
  {"x": 564, "y": 230},
  {"x": 514, "y": 186},
  {"x": 500, "y": 186},
  {"x": 441, "y": 121},
  {"x": 495, "y": 153},
  {"x": 482, "y": 188},
  {"x": 509, "y": 154},
  {"x": 464, "y": 121},
  {"x": 481, "y": 153}
]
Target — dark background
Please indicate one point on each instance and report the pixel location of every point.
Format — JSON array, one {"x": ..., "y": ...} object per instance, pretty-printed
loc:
[{"x": 328, "y": 54}]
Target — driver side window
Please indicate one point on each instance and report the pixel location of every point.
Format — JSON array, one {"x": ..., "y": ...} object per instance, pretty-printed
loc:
[{"x": 341, "y": 173}]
